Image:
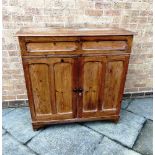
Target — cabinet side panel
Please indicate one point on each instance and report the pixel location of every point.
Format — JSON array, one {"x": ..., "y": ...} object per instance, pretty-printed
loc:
[
  {"x": 63, "y": 87},
  {"x": 40, "y": 87},
  {"x": 114, "y": 74},
  {"x": 91, "y": 84}
]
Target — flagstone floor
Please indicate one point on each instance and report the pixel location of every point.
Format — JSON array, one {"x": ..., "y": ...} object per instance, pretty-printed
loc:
[{"x": 132, "y": 135}]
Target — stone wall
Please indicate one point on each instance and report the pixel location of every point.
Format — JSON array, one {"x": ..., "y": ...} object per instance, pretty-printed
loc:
[{"x": 134, "y": 15}]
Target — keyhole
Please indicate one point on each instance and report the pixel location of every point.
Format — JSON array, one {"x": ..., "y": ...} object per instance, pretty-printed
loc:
[{"x": 62, "y": 60}]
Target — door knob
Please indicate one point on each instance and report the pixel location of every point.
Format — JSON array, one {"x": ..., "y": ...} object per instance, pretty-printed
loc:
[
  {"x": 75, "y": 90},
  {"x": 80, "y": 90},
  {"x": 80, "y": 94}
]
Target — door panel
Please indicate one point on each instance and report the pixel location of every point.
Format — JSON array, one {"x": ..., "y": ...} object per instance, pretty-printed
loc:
[
  {"x": 91, "y": 85},
  {"x": 113, "y": 80},
  {"x": 52, "y": 83},
  {"x": 40, "y": 87},
  {"x": 91, "y": 72},
  {"x": 102, "y": 79},
  {"x": 63, "y": 87}
]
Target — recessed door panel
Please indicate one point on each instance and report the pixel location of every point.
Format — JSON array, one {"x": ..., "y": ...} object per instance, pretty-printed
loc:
[
  {"x": 113, "y": 80},
  {"x": 102, "y": 80},
  {"x": 91, "y": 74},
  {"x": 91, "y": 85},
  {"x": 40, "y": 87},
  {"x": 63, "y": 87},
  {"x": 50, "y": 87}
]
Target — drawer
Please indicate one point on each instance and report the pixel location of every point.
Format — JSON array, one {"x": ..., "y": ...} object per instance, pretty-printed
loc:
[
  {"x": 104, "y": 45},
  {"x": 51, "y": 47},
  {"x": 75, "y": 47}
]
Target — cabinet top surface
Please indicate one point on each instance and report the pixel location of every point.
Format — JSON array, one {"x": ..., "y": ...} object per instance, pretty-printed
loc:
[{"x": 48, "y": 31}]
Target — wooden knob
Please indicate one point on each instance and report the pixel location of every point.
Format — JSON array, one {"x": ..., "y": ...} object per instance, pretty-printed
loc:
[
  {"x": 74, "y": 90},
  {"x": 80, "y": 94}
]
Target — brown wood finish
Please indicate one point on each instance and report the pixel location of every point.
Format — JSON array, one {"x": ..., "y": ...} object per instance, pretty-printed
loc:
[
  {"x": 74, "y": 75},
  {"x": 51, "y": 82},
  {"x": 100, "y": 78},
  {"x": 104, "y": 45},
  {"x": 49, "y": 47},
  {"x": 72, "y": 32}
]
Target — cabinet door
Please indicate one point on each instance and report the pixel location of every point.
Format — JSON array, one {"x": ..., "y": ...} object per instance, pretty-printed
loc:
[
  {"x": 50, "y": 82},
  {"x": 102, "y": 81}
]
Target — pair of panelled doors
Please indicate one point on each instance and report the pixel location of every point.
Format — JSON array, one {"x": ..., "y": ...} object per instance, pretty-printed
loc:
[{"x": 75, "y": 87}]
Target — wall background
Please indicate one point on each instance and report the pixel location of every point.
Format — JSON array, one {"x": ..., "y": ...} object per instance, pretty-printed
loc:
[{"x": 134, "y": 15}]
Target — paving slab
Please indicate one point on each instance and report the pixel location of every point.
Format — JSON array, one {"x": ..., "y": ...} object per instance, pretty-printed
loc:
[
  {"x": 70, "y": 139},
  {"x": 125, "y": 131},
  {"x": 18, "y": 123},
  {"x": 6, "y": 110},
  {"x": 144, "y": 143},
  {"x": 109, "y": 147},
  {"x": 125, "y": 103},
  {"x": 142, "y": 107},
  {"x": 12, "y": 147}
]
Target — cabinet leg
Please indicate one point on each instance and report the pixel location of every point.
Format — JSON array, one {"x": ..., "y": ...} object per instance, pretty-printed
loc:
[
  {"x": 116, "y": 119},
  {"x": 36, "y": 127}
]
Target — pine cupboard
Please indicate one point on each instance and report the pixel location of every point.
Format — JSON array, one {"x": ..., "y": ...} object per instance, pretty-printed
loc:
[{"x": 74, "y": 75}]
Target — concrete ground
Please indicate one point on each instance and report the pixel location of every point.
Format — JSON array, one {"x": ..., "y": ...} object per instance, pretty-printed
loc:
[{"x": 132, "y": 135}]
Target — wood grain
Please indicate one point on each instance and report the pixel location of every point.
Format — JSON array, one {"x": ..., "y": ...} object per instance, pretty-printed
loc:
[
  {"x": 53, "y": 46},
  {"x": 113, "y": 79},
  {"x": 40, "y": 88},
  {"x": 63, "y": 87},
  {"x": 91, "y": 85},
  {"x": 92, "y": 81},
  {"x": 74, "y": 75},
  {"x": 104, "y": 45},
  {"x": 51, "y": 87},
  {"x": 30, "y": 31}
]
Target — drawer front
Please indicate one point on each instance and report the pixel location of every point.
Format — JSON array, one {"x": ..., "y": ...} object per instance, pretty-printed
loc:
[
  {"x": 51, "y": 47},
  {"x": 104, "y": 45},
  {"x": 74, "y": 45}
]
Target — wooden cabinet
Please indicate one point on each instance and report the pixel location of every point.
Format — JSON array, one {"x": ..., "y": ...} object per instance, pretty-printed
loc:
[{"x": 74, "y": 74}]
